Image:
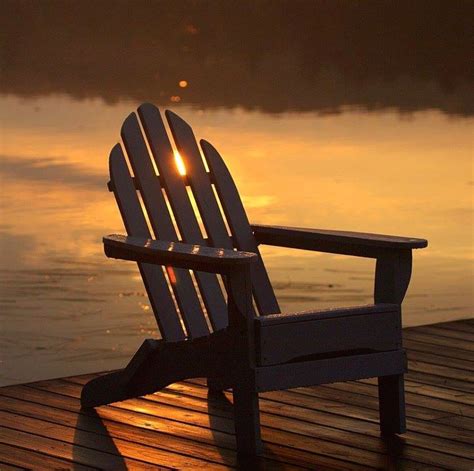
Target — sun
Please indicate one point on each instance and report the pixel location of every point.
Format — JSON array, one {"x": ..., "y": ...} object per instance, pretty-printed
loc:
[{"x": 179, "y": 163}]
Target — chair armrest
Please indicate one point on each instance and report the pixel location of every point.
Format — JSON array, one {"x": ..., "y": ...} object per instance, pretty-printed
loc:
[
  {"x": 340, "y": 242},
  {"x": 176, "y": 254}
]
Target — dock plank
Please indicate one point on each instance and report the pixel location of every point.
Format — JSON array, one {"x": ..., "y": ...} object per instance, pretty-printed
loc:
[
  {"x": 78, "y": 437},
  {"x": 60, "y": 449},
  {"x": 197, "y": 413},
  {"x": 335, "y": 426},
  {"x": 465, "y": 335},
  {"x": 19, "y": 458},
  {"x": 459, "y": 326},
  {"x": 414, "y": 345},
  {"x": 135, "y": 431}
]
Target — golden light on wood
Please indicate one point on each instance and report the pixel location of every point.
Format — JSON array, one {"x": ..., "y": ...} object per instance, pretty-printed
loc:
[
  {"x": 179, "y": 163},
  {"x": 183, "y": 83},
  {"x": 171, "y": 275}
]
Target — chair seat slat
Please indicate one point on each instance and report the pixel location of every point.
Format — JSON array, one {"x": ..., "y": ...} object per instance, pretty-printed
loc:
[
  {"x": 162, "y": 224},
  {"x": 240, "y": 227},
  {"x": 135, "y": 225},
  {"x": 175, "y": 186}
]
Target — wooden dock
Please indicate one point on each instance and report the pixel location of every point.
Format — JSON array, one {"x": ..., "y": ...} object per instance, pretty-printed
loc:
[{"x": 325, "y": 427}]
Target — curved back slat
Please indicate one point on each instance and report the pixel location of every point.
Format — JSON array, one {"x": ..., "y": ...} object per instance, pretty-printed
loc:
[
  {"x": 162, "y": 224},
  {"x": 240, "y": 228},
  {"x": 135, "y": 225},
  {"x": 186, "y": 220},
  {"x": 199, "y": 181}
]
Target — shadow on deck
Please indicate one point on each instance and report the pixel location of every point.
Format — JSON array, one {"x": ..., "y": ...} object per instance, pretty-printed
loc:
[{"x": 326, "y": 427}]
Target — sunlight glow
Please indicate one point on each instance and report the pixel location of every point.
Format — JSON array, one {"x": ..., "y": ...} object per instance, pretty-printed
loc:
[
  {"x": 171, "y": 275},
  {"x": 179, "y": 163}
]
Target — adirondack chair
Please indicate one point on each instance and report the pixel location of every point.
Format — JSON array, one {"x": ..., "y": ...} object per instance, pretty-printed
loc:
[{"x": 222, "y": 335}]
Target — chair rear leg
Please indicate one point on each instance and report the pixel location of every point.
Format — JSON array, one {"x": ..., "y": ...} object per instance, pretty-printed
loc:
[
  {"x": 247, "y": 418},
  {"x": 155, "y": 365},
  {"x": 392, "y": 404}
]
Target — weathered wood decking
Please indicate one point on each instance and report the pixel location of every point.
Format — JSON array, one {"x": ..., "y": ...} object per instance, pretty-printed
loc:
[{"x": 325, "y": 427}]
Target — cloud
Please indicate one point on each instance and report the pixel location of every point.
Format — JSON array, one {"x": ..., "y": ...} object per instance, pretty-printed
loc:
[{"x": 48, "y": 170}]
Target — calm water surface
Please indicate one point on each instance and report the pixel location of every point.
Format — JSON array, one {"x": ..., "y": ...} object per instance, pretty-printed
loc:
[{"x": 307, "y": 147}]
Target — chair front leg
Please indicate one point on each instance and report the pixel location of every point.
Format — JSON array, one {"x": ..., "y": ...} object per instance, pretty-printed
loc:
[
  {"x": 392, "y": 277},
  {"x": 247, "y": 415},
  {"x": 392, "y": 404},
  {"x": 241, "y": 324}
]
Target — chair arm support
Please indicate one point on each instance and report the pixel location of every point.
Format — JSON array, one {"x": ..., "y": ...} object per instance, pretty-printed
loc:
[
  {"x": 235, "y": 265},
  {"x": 176, "y": 254},
  {"x": 393, "y": 253},
  {"x": 339, "y": 242},
  {"x": 392, "y": 276}
]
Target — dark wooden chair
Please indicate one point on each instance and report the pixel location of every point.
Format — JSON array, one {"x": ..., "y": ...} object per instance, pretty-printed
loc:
[{"x": 222, "y": 334}]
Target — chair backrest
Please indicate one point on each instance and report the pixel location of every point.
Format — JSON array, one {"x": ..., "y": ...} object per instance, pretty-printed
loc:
[{"x": 164, "y": 202}]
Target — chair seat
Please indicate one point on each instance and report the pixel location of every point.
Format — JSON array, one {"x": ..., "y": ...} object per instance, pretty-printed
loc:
[{"x": 284, "y": 337}]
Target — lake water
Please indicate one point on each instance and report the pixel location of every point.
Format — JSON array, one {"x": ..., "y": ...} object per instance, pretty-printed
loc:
[{"x": 338, "y": 146}]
